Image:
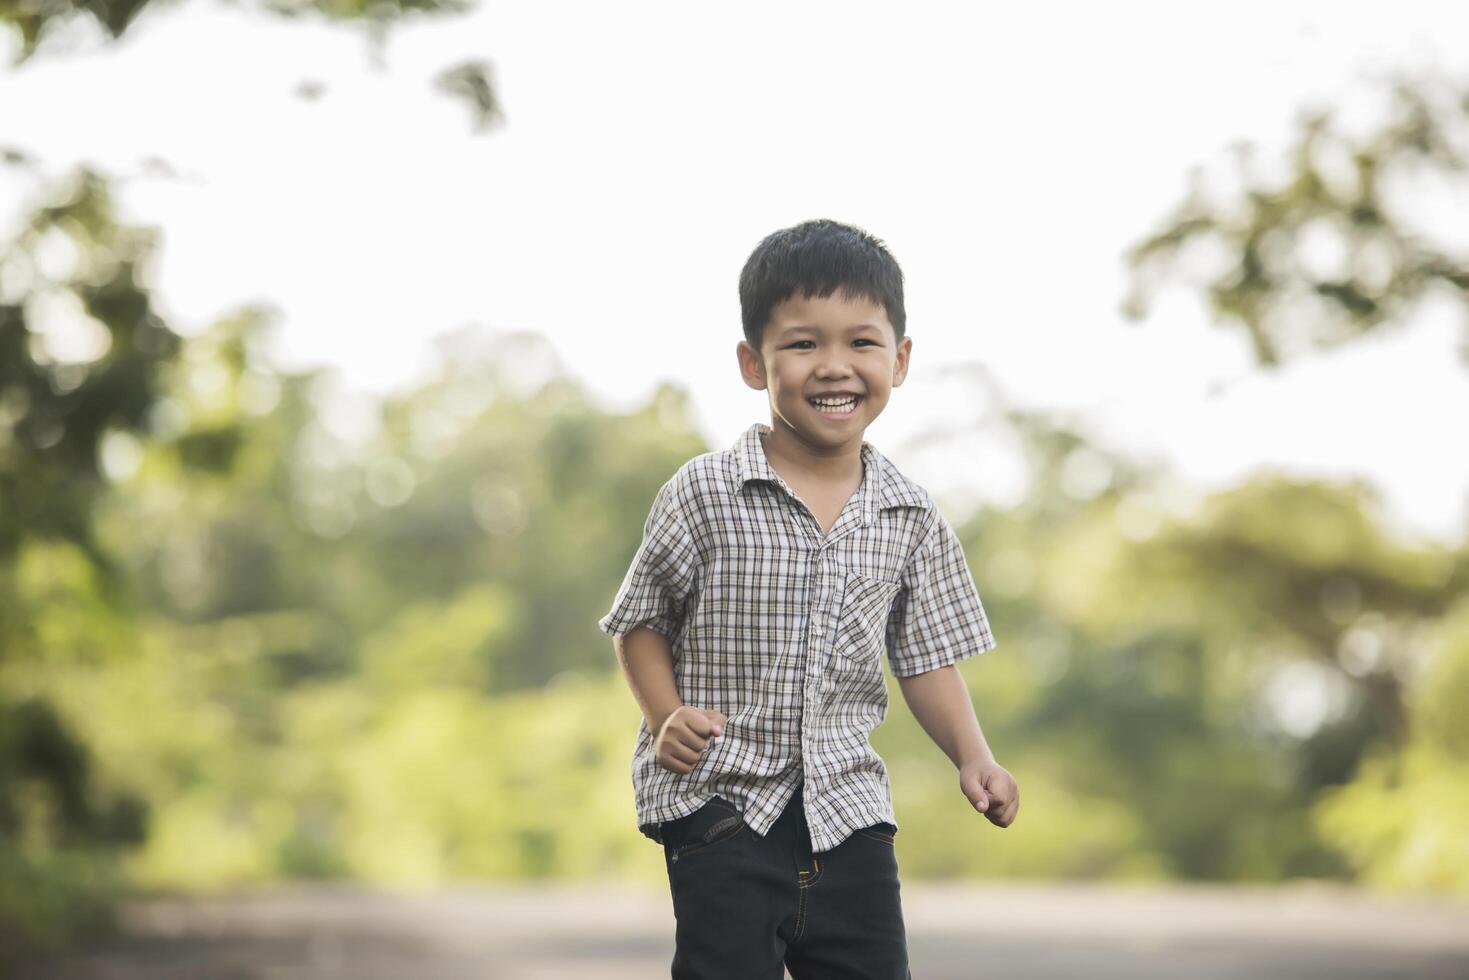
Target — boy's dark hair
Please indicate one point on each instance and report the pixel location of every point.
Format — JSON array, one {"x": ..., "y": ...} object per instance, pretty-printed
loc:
[{"x": 815, "y": 259}]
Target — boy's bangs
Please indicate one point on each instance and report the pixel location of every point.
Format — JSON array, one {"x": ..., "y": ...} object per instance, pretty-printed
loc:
[{"x": 846, "y": 291}]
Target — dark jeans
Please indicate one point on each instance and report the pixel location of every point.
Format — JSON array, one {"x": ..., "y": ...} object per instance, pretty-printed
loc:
[{"x": 747, "y": 904}]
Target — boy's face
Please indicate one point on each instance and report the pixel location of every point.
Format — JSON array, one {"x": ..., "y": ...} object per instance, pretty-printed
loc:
[{"x": 838, "y": 348}]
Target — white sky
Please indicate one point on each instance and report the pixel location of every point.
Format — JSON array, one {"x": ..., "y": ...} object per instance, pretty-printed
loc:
[{"x": 1007, "y": 155}]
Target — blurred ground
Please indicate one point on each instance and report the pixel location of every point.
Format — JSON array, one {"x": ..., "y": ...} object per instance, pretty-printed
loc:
[{"x": 1018, "y": 932}]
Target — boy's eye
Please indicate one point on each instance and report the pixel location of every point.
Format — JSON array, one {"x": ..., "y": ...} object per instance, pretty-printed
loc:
[{"x": 859, "y": 340}]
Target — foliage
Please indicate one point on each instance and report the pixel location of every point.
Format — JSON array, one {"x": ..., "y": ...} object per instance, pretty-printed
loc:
[
  {"x": 90, "y": 367},
  {"x": 35, "y": 20},
  {"x": 1401, "y": 820},
  {"x": 1343, "y": 238},
  {"x": 1324, "y": 247},
  {"x": 81, "y": 359}
]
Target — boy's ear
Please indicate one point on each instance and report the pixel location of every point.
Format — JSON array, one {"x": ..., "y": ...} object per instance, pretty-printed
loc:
[
  {"x": 900, "y": 365},
  {"x": 752, "y": 365}
]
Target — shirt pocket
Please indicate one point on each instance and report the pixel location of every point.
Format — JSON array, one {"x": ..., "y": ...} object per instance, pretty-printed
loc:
[{"x": 862, "y": 622}]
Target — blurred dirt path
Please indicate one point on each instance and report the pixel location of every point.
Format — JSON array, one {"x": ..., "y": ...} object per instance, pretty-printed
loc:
[{"x": 1015, "y": 932}]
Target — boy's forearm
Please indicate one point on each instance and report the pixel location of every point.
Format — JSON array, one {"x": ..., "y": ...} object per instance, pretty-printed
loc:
[
  {"x": 940, "y": 701},
  {"x": 647, "y": 662}
]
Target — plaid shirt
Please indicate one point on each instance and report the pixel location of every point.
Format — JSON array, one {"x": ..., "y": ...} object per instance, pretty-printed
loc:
[{"x": 781, "y": 628}]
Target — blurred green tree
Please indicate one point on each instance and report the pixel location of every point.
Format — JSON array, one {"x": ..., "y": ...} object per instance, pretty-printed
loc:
[
  {"x": 81, "y": 356},
  {"x": 1336, "y": 240},
  {"x": 83, "y": 362},
  {"x": 1342, "y": 238}
]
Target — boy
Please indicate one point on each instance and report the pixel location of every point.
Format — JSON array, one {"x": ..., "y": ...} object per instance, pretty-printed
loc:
[{"x": 751, "y": 625}]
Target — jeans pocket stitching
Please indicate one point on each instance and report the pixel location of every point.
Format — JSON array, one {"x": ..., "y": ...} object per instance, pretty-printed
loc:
[{"x": 695, "y": 846}]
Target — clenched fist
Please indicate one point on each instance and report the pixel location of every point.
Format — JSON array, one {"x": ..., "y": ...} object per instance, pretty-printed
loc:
[
  {"x": 991, "y": 790},
  {"x": 684, "y": 735}
]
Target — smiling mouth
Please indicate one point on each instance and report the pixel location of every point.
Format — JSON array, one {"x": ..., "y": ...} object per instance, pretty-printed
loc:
[{"x": 836, "y": 407}]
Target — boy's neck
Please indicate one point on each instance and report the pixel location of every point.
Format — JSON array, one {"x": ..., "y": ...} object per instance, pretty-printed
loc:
[{"x": 793, "y": 456}]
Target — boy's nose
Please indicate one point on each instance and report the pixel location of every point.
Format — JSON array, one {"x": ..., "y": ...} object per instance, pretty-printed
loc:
[{"x": 834, "y": 367}]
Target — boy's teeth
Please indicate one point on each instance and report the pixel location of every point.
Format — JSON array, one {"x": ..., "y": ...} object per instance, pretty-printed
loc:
[{"x": 841, "y": 404}]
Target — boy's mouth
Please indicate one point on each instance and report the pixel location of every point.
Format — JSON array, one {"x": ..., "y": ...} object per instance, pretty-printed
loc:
[{"x": 838, "y": 407}]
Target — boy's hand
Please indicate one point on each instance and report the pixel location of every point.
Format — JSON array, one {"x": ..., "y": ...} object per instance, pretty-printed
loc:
[
  {"x": 683, "y": 736},
  {"x": 991, "y": 790}
]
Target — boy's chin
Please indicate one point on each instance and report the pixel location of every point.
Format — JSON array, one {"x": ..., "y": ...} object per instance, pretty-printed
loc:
[{"x": 832, "y": 432}]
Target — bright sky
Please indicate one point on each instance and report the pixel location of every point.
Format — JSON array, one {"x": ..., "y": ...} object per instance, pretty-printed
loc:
[{"x": 1007, "y": 155}]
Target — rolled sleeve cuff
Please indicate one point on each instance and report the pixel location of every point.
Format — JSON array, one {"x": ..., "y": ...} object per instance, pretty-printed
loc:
[
  {"x": 620, "y": 622},
  {"x": 912, "y": 664}
]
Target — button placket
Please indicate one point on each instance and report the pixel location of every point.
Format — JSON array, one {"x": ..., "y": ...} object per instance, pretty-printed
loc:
[
  {"x": 821, "y": 623},
  {"x": 824, "y": 624},
  {"x": 816, "y": 634}
]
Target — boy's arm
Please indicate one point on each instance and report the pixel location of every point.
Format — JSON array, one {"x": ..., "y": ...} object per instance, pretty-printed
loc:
[
  {"x": 681, "y": 733},
  {"x": 647, "y": 662},
  {"x": 652, "y": 601},
  {"x": 939, "y": 699}
]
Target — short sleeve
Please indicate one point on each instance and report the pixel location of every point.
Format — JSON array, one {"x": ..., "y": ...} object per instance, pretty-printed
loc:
[
  {"x": 936, "y": 618},
  {"x": 663, "y": 576}
]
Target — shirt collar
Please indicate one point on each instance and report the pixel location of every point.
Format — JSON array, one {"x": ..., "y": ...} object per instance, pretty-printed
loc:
[{"x": 883, "y": 487}]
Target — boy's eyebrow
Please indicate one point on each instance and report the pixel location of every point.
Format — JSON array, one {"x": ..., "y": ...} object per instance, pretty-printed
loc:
[{"x": 810, "y": 329}]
